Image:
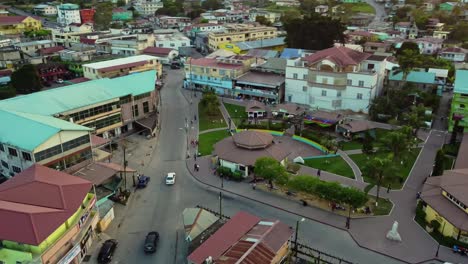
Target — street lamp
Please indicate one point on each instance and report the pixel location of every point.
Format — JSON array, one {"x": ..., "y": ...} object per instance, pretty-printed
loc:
[{"x": 297, "y": 232}]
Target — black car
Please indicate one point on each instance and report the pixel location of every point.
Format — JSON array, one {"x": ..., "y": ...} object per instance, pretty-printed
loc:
[
  {"x": 151, "y": 242},
  {"x": 107, "y": 251}
]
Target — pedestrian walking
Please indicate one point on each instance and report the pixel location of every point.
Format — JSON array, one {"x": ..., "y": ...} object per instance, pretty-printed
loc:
[
  {"x": 319, "y": 171},
  {"x": 388, "y": 188},
  {"x": 195, "y": 157},
  {"x": 198, "y": 167},
  {"x": 195, "y": 117},
  {"x": 195, "y": 167},
  {"x": 254, "y": 186}
]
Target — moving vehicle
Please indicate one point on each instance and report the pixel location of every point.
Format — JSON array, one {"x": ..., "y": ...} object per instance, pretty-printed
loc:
[
  {"x": 151, "y": 242},
  {"x": 107, "y": 251},
  {"x": 170, "y": 178},
  {"x": 142, "y": 181}
]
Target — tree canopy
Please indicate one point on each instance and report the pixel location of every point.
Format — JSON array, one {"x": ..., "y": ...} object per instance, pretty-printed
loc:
[
  {"x": 313, "y": 32},
  {"x": 103, "y": 15},
  {"x": 210, "y": 103},
  {"x": 26, "y": 80},
  {"x": 270, "y": 169},
  {"x": 263, "y": 20},
  {"x": 212, "y": 4},
  {"x": 460, "y": 32}
]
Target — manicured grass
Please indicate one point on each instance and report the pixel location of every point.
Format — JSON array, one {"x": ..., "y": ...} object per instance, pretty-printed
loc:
[
  {"x": 236, "y": 112},
  {"x": 207, "y": 141},
  {"x": 210, "y": 121},
  {"x": 384, "y": 208},
  {"x": 403, "y": 170},
  {"x": 361, "y": 8},
  {"x": 335, "y": 165},
  {"x": 350, "y": 145},
  {"x": 448, "y": 162}
]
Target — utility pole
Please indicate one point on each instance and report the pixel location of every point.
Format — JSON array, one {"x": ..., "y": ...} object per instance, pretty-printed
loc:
[
  {"x": 220, "y": 204},
  {"x": 297, "y": 233},
  {"x": 125, "y": 167}
]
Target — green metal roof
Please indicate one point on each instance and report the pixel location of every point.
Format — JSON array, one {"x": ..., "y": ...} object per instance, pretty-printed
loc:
[
  {"x": 414, "y": 77},
  {"x": 461, "y": 82},
  {"x": 71, "y": 97},
  {"x": 69, "y": 7},
  {"x": 30, "y": 117},
  {"x": 28, "y": 131}
]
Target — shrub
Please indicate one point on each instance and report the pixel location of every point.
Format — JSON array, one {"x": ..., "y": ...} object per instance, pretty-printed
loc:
[
  {"x": 237, "y": 176},
  {"x": 436, "y": 225},
  {"x": 293, "y": 167},
  {"x": 225, "y": 171}
]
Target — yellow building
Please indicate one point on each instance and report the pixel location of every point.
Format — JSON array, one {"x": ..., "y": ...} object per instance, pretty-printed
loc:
[
  {"x": 239, "y": 33},
  {"x": 445, "y": 198},
  {"x": 11, "y": 25},
  {"x": 57, "y": 225},
  {"x": 276, "y": 44}
]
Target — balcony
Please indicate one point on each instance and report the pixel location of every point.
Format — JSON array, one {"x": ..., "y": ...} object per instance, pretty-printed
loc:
[{"x": 255, "y": 92}]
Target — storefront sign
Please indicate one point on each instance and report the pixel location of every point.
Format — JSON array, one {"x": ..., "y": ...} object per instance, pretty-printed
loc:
[{"x": 71, "y": 255}]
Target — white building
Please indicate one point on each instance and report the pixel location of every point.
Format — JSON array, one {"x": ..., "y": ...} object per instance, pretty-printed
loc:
[
  {"x": 45, "y": 10},
  {"x": 454, "y": 54},
  {"x": 68, "y": 14},
  {"x": 173, "y": 41},
  {"x": 148, "y": 8},
  {"x": 337, "y": 78},
  {"x": 32, "y": 47}
]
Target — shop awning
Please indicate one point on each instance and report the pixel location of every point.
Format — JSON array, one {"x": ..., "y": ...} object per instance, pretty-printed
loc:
[{"x": 149, "y": 122}]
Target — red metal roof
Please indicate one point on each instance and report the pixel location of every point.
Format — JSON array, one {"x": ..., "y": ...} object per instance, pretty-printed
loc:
[
  {"x": 213, "y": 63},
  {"x": 4, "y": 73},
  {"x": 157, "y": 51},
  {"x": 225, "y": 237},
  {"x": 11, "y": 20},
  {"x": 50, "y": 50},
  {"x": 121, "y": 66},
  {"x": 342, "y": 56},
  {"x": 37, "y": 201}
]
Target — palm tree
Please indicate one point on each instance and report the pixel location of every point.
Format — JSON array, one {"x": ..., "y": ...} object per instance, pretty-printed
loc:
[{"x": 380, "y": 169}]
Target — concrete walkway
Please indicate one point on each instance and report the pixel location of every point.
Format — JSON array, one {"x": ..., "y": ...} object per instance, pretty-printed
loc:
[
  {"x": 357, "y": 172},
  {"x": 212, "y": 130}
]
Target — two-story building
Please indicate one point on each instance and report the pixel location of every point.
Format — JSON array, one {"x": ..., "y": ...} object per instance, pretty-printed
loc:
[
  {"x": 87, "y": 15},
  {"x": 216, "y": 73},
  {"x": 429, "y": 45},
  {"x": 445, "y": 198},
  {"x": 193, "y": 30},
  {"x": 454, "y": 54},
  {"x": 148, "y": 8},
  {"x": 47, "y": 217},
  {"x": 422, "y": 80},
  {"x": 32, "y": 47},
  {"x": 45, "y": 10},
  {"x": 123, "y": 66},
  {"x": 337, "y": 78},
  {"x": 239, "y": 33},
  {"x": 131, "y": 45},
  {"x": 273, "y": 17},
  {"x": 173, "y": 22},
  {"x": 171, "y": 41},
  {"x": 12, "y": 25},
  {"x": 459, "y": 108},
  {"x": 68, "y": 14},
  {"x": 55, "y": 125},
  {"x": 260, "y": 86}
]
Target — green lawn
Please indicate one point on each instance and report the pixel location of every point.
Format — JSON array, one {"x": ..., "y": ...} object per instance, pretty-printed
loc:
[
  {"x": 403, "y": 170},
  {"x": 448, "y": 162},
  {"x": 207, "y": 141},
  {"x": 210, "y": 121},
  {"x": 361, "y": 8},
  {"x": 236, "y": 112},
  {"x": 335, "y": 165},
  {"x": 385, "y": 206},
  {"x": 350, "y": 145}
]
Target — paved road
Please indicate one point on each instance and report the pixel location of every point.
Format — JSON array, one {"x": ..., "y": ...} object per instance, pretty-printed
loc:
[
  {"x": 379, "y": 13},
  {"x": 159, "y": 207}
]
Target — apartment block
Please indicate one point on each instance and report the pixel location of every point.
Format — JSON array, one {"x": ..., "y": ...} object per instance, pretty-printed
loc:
[
  {"x": 239, "y": 33},
  {"x": 459, "y": 109},
  {"x": 337, "y": 78},
  {"x": 121, "y": 67}
]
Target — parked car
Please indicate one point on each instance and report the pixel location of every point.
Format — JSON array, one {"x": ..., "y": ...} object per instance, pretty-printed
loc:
[
  {"x": 151, "y": 242},
  {"x": 143, "y": 181},
  {"x": 59, "y": 81},
  {"x": 107, "y": 251},
  {"x": 170, "y": 178}
]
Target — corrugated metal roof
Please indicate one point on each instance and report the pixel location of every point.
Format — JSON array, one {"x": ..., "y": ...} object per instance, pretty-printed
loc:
[
  {"x": 224, "y": 238},
  {"x": 461, "y": 81},
  {"x": 414, "y": 77},
  {"x": 256, "y": 44},
  {"x": 111, "y": 63}
]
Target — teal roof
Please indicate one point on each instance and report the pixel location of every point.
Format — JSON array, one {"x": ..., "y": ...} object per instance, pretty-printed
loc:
[
  {"x": 461, "y": 82},
  {"x": 30, "y": 117},
  {"x": 79, "y": 95},
  {"x": 69, "y": 6},
  {"x": 30, "y": 130},
  {"x": 414, "y": 77}
]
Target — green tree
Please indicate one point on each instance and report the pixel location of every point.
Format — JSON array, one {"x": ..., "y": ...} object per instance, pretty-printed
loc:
[
  {"x": 308, "y": 6},
  {"x": 120, "y": 3},
  {"x": 460, "y": 32},
  {"x": 103, "y": 15},
  {"x": 263, "y": 20},
  {"x": 26, "y": 80},
  {"x": 408, "y": 45},
  {"x": 313, "y": 32},
  {"x": 270, "y": 169},
  {"x": 367, "y": 143},
  {"x": 380, "y": 169},
  {"x": 210, "y": 103},
  {"x": 211, "y": 5},
  {"x": 416, "y": 117},
  {"x": 7, "y": 92},
  {"x": 439, "y": 164},
  {"x": 397, "y": 143}
]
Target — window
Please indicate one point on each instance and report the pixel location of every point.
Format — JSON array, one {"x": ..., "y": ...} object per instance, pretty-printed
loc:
[
  {"x": 304, "y": 88},
  {"x": 325, "y": 80},
  {"x": 75, "y": 143},
  {"x": 184, "y": 44},
  {"x": 145, "y": 107},
  {"x": 295, "y": 75},
  {"x": 172, "y": 45},
  {"x": 370, "y": 66},
  {"x": 349, "y": 82},
  {"x": 16, "y": 169},
  {"x": 304, "y": 76},
  {"x": 324, "y": 93},
  {"x": 2, "y": 148},
  {"x": 361, "y": 83},
  {"x": 359, "y": 96},
  {"x": 338, "y": 94},
  {"x": 26, "y": 155},
  {"x": 135, "y": 110},
  {"x": 13, "y": 152},
  {"x": 5, "y": 164}
]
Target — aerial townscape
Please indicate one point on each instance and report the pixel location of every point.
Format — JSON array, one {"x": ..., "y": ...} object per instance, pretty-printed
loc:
[{"x": 234, "y": 131}]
